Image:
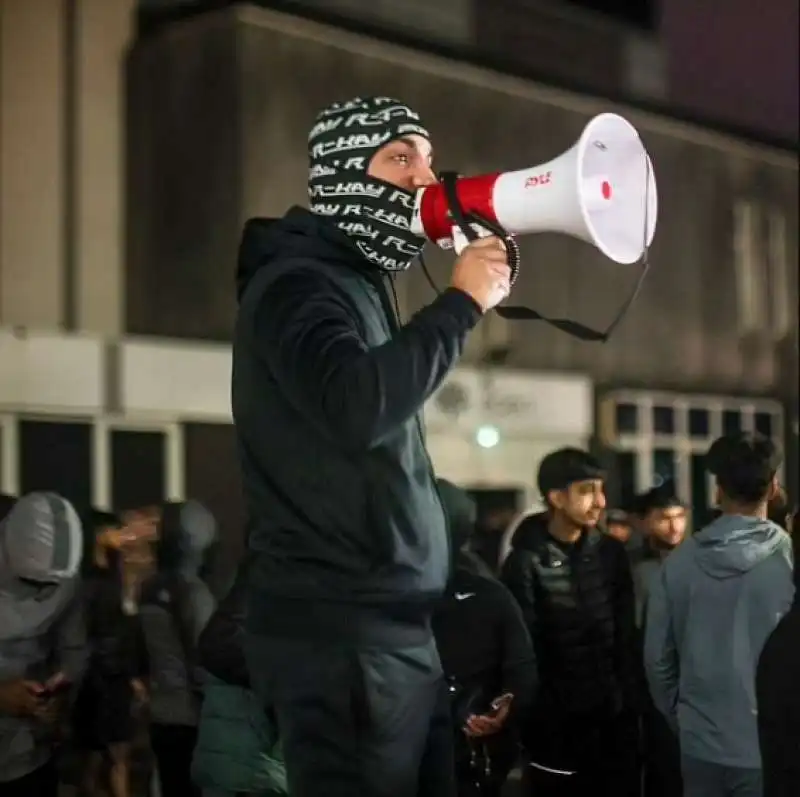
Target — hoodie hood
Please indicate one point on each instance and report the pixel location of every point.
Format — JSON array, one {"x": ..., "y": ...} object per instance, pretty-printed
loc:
[
  {"x": 299, "y": 234},
  {"x": 186, "y": 532},
  {"x": 41, "y": 542},
  {"x": 461, "y": 512},
  {"x": 733, "y": 545}
]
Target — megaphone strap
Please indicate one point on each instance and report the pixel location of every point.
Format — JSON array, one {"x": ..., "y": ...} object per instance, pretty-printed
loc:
[{"x": 465, "y": 220}]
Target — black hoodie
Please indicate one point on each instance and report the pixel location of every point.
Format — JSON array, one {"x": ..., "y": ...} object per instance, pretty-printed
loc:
[
  {"x": 778, "y": 698},
  {"x": 327, "y": 389}
]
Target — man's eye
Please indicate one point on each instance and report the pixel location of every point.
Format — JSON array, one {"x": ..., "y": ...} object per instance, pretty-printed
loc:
[{"x": 401, "y": 158}]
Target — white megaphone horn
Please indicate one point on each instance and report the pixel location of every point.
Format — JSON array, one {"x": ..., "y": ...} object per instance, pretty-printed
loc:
[{"x": 602, "y": 191}]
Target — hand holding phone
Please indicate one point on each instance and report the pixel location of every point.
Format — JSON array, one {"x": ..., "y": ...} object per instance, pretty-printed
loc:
[{"x": 491, "y": 722}]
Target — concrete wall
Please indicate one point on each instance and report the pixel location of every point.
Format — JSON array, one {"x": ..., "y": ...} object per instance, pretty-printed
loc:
[{"x": 61, "y": 156}]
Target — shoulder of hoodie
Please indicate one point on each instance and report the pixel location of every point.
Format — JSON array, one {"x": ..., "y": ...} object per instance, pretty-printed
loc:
[
  {"x": 489, "y": 589},
  {"x": 300, "y": 271},
  {"x": 486, "y": 585},
  {"x": 688, "y": 549}
]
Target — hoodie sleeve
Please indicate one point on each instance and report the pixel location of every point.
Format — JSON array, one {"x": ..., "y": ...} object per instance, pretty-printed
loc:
[
  {"x": 308, "y": 336},
  {"x": 71, "y": 645},
  {"x": 661, "y": 652}
]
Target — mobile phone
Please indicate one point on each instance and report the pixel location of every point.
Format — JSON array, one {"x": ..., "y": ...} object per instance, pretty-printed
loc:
[{"x": 500, "y": 703}]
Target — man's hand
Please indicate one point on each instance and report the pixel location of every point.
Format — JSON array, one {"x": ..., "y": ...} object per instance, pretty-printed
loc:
[
  {"x": 479, "y": 725},
  {"x": 139, "y": 691},
  {"x": 482, "y": 271},
  {"x": 20, "y": 698}
]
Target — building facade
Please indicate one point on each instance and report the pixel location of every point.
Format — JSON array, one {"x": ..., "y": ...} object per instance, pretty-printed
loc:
[{"x": 118, "y": 257}]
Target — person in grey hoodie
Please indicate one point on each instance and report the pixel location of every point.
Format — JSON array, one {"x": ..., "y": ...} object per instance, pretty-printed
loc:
[
  {"x": 42, "y": 637},
  {"x": 175, "y": 605},
  {"x": 718, "y": 598}
]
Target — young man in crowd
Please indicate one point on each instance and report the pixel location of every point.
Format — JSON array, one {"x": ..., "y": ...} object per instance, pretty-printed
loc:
[
  {"x": 574, "y": 586},
  {"x": 487, "y": 657},
  {"x": 663, "y": 520},
  {"x": 717, "y": 599},
  {"x": 42, "y": 638},
  {"x": 174, "y": 606},
  {"x": 618, "y": 525},
  {"x": 778, "y": 695}
]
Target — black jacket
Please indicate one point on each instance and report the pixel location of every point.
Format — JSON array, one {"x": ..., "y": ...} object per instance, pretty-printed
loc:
[
  {"x": 578, "y": 604},
  {"x": 327, "y": 390},
  {"x": 220, "y": 648},
  {"x": 778, "y": 699},
  {"x": 483, "y": 642},
  {"x": 116, "y": 638}
]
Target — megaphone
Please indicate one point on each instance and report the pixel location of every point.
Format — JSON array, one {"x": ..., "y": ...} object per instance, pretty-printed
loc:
[{"x": 602, "y": 190}]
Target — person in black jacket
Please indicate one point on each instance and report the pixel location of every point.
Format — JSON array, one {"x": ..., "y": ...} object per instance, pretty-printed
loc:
[
  {"x": 348, "y": 533},
  {"x": 114, "y": 678},
  {"x": 778, "y": 695},
  {"x": 574, "y": 586},
  {"x": 487, "y": 657}
]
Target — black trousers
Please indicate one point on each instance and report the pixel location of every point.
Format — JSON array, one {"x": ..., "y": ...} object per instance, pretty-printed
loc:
[
  {"x": 583, "y": 755},
  {"x": 662, "y": 757},
  {"x": 483, "y": 766},
  {"x": 356, "y": 721},
  {"x": 173, "y": 747},
  {"x": 42, "y": 782}
]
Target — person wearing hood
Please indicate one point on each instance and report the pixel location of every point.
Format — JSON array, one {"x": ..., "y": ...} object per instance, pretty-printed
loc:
[
  {"x": 718, "y": 597},
  {"x": 487, "y": 657},
  {"x": 573, "y": 583},
  {"x": 238, "y": 752},
  {"x": 42, "y": 637},
  {"x": 778, "y": 696},
  {"x": 348, "y": 533},
  {"x": 175, "y": 605}
]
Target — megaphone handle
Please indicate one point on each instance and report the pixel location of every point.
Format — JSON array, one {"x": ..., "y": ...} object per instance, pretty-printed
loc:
[{"x": 460, "y": 241}]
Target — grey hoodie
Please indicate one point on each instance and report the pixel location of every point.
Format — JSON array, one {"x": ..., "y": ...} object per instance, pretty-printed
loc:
[
  {"x": 41, "y": 621},
  {"x": 718, "y": 598},
  {"x": 175, "y": 607}
]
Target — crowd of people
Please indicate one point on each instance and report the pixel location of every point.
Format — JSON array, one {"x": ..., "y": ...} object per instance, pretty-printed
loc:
[{"x": 604, "y": 649}]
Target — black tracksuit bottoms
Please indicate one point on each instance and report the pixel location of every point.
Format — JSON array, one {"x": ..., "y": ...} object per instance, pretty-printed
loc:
[{"x": 356, "y": 721}]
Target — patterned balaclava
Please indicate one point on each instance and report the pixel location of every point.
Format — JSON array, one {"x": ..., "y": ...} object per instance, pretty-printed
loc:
[{"x": 374, "y": 214}]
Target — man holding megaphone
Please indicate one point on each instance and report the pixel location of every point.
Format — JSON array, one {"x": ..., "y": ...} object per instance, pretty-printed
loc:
[{"x": 349, "y": 537}]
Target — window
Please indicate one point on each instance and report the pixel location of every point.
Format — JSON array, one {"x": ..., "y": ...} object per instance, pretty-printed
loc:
[
  {"x": 663, "y": 420},
  {"x": 137, "y": 463},
  {"x": 623, "y": 473},
  {"x": 701, "y": 498},
  {"x": 138, "y": 468},
  {"x": 56, "y": 456},
  {"x": 780, "y": 300},
  {"x": 627, "y": 416},
  {"x": 748, "y": 266},
  {"x": 659, "y": 437},
  {"x": 212, "y": 476}
]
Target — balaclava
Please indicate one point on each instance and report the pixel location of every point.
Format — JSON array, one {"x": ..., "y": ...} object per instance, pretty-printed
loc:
[{"x": 374, "y": 214}]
